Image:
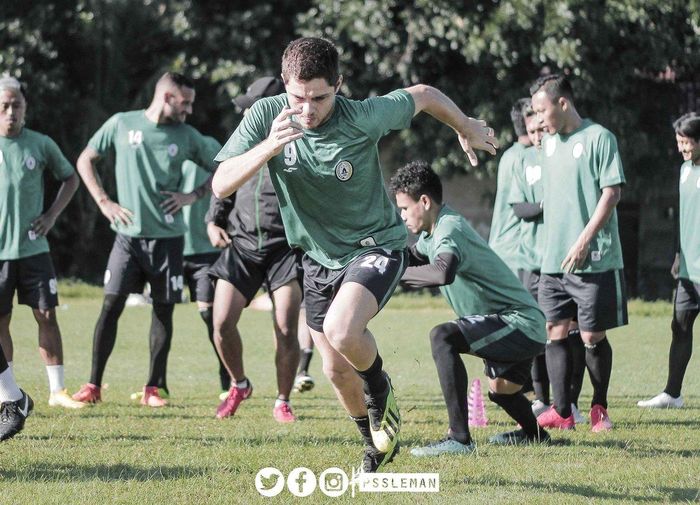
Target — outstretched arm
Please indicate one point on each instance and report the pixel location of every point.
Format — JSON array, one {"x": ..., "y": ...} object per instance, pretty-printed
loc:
[{"x": 472, "y": 133}]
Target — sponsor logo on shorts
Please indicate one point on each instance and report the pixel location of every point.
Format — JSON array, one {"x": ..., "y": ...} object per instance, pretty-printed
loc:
[
  {"x": 533, "y": 174},
  {"x": 343, "y": 170},
  {"x": 53, "y": 286},
  {"x": 30, "y": 163},
  {"x": 172, "y": 150},
  {"x": 578, "y": 150},
  {"x": 108, "y": 277}
]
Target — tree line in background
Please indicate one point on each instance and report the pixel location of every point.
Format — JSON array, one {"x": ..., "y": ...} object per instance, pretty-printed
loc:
[{"x": 633, "y": 63}]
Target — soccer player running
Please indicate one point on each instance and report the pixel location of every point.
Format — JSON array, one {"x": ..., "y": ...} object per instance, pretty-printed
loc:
[
  {"x": 258, "y": 253},
  {"x": 25, "y": 262},
  {"x": 150, "y": 146},
  {"x": 321, "y": 150},
  {"x": 498, "y": 320},
  {"x": 582, "y": 262},
  {"x": 686, "y": 267},
  {"x": 505, "y": 225}
]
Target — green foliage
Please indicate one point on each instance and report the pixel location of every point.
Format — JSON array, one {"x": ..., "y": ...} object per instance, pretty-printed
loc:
[{"x": 84, "y": 60}]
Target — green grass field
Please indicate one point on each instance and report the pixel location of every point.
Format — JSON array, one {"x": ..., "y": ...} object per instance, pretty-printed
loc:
[{"x": 120, "y": 452}]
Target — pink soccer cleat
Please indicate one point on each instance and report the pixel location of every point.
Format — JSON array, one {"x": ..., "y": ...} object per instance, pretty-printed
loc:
[
  {"x": 88, "y": 393},
  {"x": 151, "y": 397},
  {"x": 235, "y": 396},
  {"x": 550, "y": 418},
  {"x": 600, "y": 421},
  {"x": 283, "y": 413}
]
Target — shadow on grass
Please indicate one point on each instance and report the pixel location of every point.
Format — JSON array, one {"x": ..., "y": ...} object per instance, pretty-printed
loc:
[
  {"x": 668, "y": 494},
  {"x": 106, "y": 473}
]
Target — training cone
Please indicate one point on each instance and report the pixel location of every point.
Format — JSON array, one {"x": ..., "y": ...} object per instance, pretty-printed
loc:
[{"x": 477, "y": 409}]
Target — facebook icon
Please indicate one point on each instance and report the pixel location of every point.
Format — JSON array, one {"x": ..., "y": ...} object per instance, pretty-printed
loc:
[{"x": 301, "y": 482}]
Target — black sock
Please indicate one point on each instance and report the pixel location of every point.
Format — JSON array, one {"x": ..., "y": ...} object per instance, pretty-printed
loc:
[
  {"x": 540, "y": 379},
  {"x": 305, "y": 360},
  {"x": 375, "y": 380},
  {"x": 363, "y": 427},
  {"x": 160, "y": 338},
  {"x": 105, "y": 335},
  {"x": 578, "y": 364},
  {"x": 447, "y": 342},
  {"x": 680, "y": 351},
  {"x": 559, "y": 370},
  {"x": 207, "y": 316},
  {"x": 518, "y": 407},
  {"x": 599, "y": 363}
]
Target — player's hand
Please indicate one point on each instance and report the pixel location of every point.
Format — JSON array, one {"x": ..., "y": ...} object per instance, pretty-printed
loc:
[
  {"x": 477, "y": 135},
  {"x": 576, "y": 257},
  {"x": 43, "y": 224},
  {"x": 284, "y": 130},
  {"x": 115, "y": 213},
  {"x": 176, "y": 201},
  {"x": 676, "y": 267},
  {"x": 217, "y": 236}
]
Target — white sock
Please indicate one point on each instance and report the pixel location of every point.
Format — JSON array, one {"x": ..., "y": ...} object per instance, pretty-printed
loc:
[
  {"x": 279, "y": 402},
  {"x": 9, "y": 392},
  {"x": 55, "y": 373},
  {"x": 9, "y": 363},
  {"x": 242, "y": 384}
]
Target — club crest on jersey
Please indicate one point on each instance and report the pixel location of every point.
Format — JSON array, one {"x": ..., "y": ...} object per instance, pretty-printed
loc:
[
  {"x": 30, "y": 163},
  {"x": 549, "y": 146},
  {"x": 172, "y": 150},
  {"x": 343, "y": 170},
  {"x": 578, "y": 150},
  {"x": 533, "y": 174}
]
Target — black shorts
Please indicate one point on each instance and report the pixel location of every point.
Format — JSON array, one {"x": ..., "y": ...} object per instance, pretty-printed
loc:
[
  {"x": 379, "y": 270},
  {"x": 196, "y": 272},
  {"x": 134, "y": 261},
  {"x": 531, "y": 280},
  {"x": 687, "y": 296},
  {"x": 507, "y": 352},
  {"x": 598, "y": 300},
  {"x": 249, "y": 270},
  {"x": 33, "y": 278}
]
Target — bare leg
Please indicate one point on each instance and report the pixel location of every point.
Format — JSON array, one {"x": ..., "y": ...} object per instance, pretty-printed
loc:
[
  {"x": 286, "y": 301},
  {"x": 228, "y": 306}
]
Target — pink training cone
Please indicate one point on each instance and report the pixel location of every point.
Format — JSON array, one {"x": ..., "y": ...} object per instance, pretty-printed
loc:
[{"x": 475, "y": 403}]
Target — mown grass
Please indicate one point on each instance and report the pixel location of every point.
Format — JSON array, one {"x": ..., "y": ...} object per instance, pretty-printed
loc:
[{"x": 119, "y": 452}]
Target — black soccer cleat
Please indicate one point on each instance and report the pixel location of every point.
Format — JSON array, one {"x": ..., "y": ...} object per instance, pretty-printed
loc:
[
  {"x": 13, "y": 415},
  {"x": 384, "y": 419},
  {"x": 374, "y": 461}
]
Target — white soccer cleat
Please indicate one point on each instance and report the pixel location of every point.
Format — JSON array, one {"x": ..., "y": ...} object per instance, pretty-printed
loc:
[
  {"x": 62, "y": 399},
  {"x": 662, "y": 401}
]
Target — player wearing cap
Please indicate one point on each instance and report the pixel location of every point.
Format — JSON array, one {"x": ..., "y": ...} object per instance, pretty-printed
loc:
[
  {"x": 257, "y": 254},
  {"x": 25, "y": 262},
  {"x": 150, "y": 146},
  {"x": 321, "y": 150}
]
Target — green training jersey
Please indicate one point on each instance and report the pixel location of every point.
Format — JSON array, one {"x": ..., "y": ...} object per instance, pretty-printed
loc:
[
  {"x": 149, "y": 158},
  {"x": 23, "y": 161},
  {"x": 527, "y": 187},
  {"x": 689, "y": 193},
  {"x": 483, "y": 285},
  {"x": 329, "y": 183},
  {"x": 505, "y": 225},
  {"x": 193, "y": 176},
  {"x": 576, "y": 167}
]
